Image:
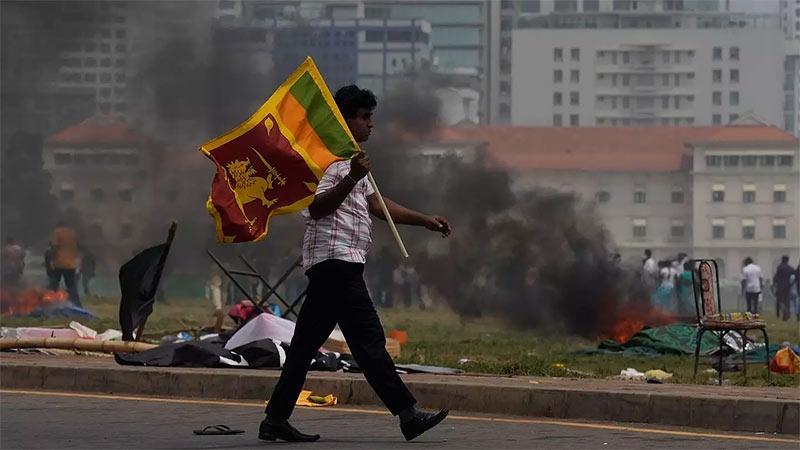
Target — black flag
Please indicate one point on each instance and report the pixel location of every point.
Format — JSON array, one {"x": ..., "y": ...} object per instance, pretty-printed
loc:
[{"x": 138, "y": 282}]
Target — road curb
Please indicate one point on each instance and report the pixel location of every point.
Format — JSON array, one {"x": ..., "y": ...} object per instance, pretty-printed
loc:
[{"x": 474, "y": 394}]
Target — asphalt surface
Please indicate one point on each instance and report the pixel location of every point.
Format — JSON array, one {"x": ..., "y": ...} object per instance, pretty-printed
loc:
[{"x": 33, "y": 420}]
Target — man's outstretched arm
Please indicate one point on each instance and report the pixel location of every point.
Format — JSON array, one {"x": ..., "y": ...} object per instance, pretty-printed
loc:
[{"x": 402, "y": 215}]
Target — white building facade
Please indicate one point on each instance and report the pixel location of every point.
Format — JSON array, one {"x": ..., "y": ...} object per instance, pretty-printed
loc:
[{"x": 654, "y": 77}]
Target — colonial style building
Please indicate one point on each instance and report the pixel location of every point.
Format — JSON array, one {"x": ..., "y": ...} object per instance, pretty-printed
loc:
[{"x": 722, "y": 192}]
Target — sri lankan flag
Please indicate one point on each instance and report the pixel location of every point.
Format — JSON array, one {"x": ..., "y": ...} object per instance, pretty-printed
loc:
[{"x": 271, "y": 163}]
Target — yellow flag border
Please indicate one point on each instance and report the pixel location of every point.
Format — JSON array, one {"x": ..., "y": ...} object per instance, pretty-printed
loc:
[{"x": 308, "y": 66}]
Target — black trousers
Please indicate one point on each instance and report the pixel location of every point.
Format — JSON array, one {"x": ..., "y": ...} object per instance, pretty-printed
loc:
[
  {"x": 337, "y": 294},
  {"x": 69, "y": 282},
  {"x": 752, "y": 301}
]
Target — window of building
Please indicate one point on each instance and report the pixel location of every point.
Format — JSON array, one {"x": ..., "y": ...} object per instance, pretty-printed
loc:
[
  {"x": 105, "y": 48},
  {"x": 779, "y": 193},
  {"x": 558, "y": 54},
  {"x": 733, "y": 98},
  {"x": 734, "y": 53},
  {"x": 90, "y": 77},
  {"x": 119, "y": 48},
  {"x": 748, "y": 193},
  {"x": 119, "y": 63},
  {"x": 119, "y": 78},
  {"x": 734, "y": 75},
  {"x": 590, "y": 5},
  {"x": 779, "y": 228},
  {"x": 713, "y": 160},
  {"x": 614, "y": 80},
  {"x": 748, "y": 229},
  {"x": 626, "y": 57},
  {"x": 120, "y": 34},
  {"x": 90, "y": 62},
  {"x": 639, "y": 228},
  {"x": 665, "y": 80},
  {"x": 96, "y": 230},
  {"x": 98, "y": 194},
  {"x": 677, "y": 229},
  {"x": 558, "y": 76},
  {"x": 677, "y": 195},
  {"x": 718, "y": 193},
  {"x": 574, "y": 98},
  {"x": 505, "y": 110},
  {"x": 749, "y": 160},
  {"x": 105, "y": 77},
  {"x": 574, "y": 76},
  {"x": 557, "y": 98},
  {"x": 126, "y": 195},
  {"x": 626, "y": 102},
  {"x": 733, "y": 117},
  {"x": 677, "y": 79},
  {"x": 105, "y": 92},
  {"x": 626, "y": 80},
  {"x": 730, "y": 160},
  {"x": 531, "y": 6},
  {"x": 664, "y": 102},
  {"x": 227, "y": 4},
  {"x": 66, "y": 192},
  {"x": 718, "y": 229},
  {"x": 716, "y": 98},
  {"x": 573, "y": 120},
  {"x": 716, "y": 75},
  {"x": 766, "y": 160},
  {"x": 126, "y": 231},
  {"x": 602, "y": 196},
  {"x": 639, "y": 196},
  {"x": 556, "y": 120},
  {"x": 717, "y": 54},
  {"x": 566, "y": 6},
  {"x": 575, "y": 54},
  {"x": 785, "y": 160},
  {"x": 716, "y": 119}
]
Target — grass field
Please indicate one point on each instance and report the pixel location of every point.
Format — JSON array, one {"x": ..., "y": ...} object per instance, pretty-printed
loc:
[{"x": 440, "y": 337}]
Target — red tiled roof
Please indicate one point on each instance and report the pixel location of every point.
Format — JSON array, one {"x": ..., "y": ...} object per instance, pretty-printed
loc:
[
  {"x": 651, "y": 149},
  {"x": 101, "y": 129}
]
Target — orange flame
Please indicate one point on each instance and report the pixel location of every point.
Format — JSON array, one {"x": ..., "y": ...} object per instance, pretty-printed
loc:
[
  {"x": 15, "y": 300},
  {"x": 632, "y": 318}
]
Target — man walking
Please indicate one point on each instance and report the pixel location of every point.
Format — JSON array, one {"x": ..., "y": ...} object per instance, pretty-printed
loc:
[
  {"x": 751, "y": 284},
  {"x": 783, "y": 283},
  {"x": 336, "y": 241}
]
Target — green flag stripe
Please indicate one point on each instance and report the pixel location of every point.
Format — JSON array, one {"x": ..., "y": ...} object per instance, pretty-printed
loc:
[{"x": 321, "y": 118}]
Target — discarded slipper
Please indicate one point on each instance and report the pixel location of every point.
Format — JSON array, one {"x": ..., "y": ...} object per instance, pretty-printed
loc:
[{"x": 216, "y": 430}]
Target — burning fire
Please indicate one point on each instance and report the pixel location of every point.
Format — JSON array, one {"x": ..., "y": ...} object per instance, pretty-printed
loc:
[
  {"x": 16, "y": 300},
  {"x": 631, "y": 318}
]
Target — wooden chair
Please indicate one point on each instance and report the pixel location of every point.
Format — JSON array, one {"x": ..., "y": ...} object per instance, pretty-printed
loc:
[{"x": 708, "y": 305}]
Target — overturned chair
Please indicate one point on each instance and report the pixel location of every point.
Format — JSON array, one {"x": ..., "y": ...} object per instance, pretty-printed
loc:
[{"x": 708, "y": 305}]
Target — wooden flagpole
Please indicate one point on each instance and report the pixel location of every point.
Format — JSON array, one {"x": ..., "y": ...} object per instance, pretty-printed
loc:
[{"x": 388, "y": 216}]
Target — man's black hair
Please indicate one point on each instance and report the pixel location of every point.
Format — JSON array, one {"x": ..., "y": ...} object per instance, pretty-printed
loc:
[
  {"x": 351, "y": 98},
  {"x": 648, "y": 253},
  {"x": 785, "y": 258},
  {"x": 748, "y": 261}
]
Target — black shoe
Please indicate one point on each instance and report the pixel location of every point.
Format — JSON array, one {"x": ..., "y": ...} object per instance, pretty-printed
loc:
[
  {"x": 421, "y": 423},
  {"x": 269, "y": 431}
]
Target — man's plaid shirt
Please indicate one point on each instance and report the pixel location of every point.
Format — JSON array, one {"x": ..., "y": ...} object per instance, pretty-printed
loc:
[{"x": 347, "y": 233}]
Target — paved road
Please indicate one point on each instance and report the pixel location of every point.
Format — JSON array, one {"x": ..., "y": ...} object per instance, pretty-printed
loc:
[{"x": 66, "y": 421}]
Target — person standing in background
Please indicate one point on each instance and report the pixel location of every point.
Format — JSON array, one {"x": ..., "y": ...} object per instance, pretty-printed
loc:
[
  {"x": 13, "y": 263},
  {"x": 65, "y": 261},
  {"x": 783, "y": 283},
  {"x": 88, "y": 266},
  {"x": 751, "y": 284}
]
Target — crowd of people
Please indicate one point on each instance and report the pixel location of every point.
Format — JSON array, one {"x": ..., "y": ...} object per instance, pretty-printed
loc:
[{"x": 671, "y": 285}]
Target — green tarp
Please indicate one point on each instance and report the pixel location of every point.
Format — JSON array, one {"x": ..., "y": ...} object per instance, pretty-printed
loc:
[{"x": 676, "y": 339}]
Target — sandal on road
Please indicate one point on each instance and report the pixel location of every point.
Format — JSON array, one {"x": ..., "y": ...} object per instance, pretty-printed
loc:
[{"x": 217, "y": 430}]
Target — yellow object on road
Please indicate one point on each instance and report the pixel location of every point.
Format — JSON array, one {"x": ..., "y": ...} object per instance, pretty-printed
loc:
[{"x": 307, "y": 398}]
